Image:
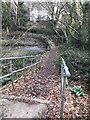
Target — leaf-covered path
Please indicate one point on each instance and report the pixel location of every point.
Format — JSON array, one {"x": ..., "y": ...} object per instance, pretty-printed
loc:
[{"x": 46, "y": 85}]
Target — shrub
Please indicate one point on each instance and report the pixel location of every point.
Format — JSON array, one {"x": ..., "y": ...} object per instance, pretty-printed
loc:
[
  {"x": 77, "y": 61},
  {"x": 6, "y": 80},
  {"x": 77, "y": 90},
  {"x": 45, "y": 31}
]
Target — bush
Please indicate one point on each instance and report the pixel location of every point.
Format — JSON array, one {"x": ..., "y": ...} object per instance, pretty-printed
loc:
[
  {"x": 77, "y": 90},
  {"x": 77, "y": 61},
  {"x": 44, "y": 31}
]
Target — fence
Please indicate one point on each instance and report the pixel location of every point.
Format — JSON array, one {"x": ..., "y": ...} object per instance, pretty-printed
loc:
[
  {"x": 64, "y": 75},
  {"x": 32, "y": 61}
]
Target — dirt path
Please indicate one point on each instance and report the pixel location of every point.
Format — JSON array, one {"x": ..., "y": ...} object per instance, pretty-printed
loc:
[
  {"x": 45, "y": 84},
  {"x": 48, "y": 64}
]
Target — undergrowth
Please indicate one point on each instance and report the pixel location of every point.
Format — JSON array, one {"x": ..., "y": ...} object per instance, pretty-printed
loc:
[{"x": 77, "y": 61}]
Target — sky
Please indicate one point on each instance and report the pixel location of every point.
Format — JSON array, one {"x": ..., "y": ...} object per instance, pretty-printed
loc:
[
  {"x": 55, "y": 0},
  {"x": 46, "y": 0}
]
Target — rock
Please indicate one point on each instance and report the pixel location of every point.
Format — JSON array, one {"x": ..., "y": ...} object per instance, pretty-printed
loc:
[{"x": 14, "y": 109}]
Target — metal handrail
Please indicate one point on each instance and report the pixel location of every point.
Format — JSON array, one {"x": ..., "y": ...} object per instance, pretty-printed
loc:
[
  {"x": 37, "y": 61},
  {"x": 66, "y": 71},
  {"x": 12, "y": 58},
  {"x": 64, "y": 75},
  {"x": 19, "y": 70}
]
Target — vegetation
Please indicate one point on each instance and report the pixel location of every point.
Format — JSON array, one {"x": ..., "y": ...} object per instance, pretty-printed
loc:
[
  {"x": 75, "y": 49},
  {"x": 72, "y": 31},
  {"x": 17, "y": 64},
  {"x": 43, "y": 27},
  {"x": 5, "y": 80},
  {"x": 77, "y": 90},
  {"x": 77, "y": 61},
  {"x": 13, "y": 19},
  {"x": 8, "y": 17},
  {"x": 67, "y": 24}
]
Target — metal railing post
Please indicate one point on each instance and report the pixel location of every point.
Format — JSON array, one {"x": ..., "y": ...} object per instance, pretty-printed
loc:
[
  {"x": 62, "y": 91},
  {"x": 23, "y": 62},
  {"x": 37, "y": 60},
  {"x": 0, "y": 68},
  {"x": 11, "y": 69},
  {"x": 24, "y": 70},
  {"x": 64, "y": 74},
  {"x": 1, "y": 72}
]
